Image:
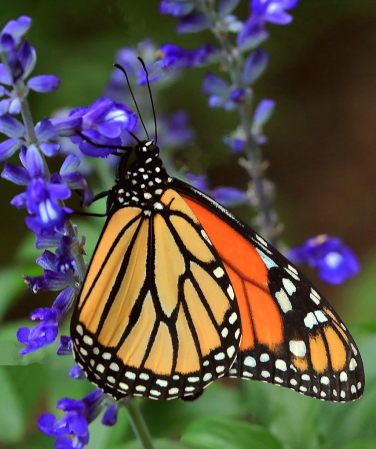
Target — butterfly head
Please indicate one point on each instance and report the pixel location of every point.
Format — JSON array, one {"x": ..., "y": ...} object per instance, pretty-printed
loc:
[{"x": 146, "y": 149}]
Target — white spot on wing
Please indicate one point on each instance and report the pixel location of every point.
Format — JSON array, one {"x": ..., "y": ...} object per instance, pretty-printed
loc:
[
  {"x": 283, "y": 301},
  {"x": 298, "y": 348},
  {"x": 250, "y": 361}
]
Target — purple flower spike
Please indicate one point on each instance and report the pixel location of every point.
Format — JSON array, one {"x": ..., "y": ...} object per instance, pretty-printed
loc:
[
  {"x": 334, "y": 261},
  {"x": 193, "y": 23},
  {"x": 44, "y": 83},
  {"x": 65, "y": 346}
]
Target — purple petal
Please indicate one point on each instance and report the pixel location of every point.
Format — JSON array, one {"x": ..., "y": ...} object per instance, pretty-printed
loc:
[
  {"x": 66, "y": 126},
  {"x": 7, "y": 44},
  {"x": 227, "y": 6},
  {"x": 47, "y": 260},
  {"x": 45, "y": 131},
  {"x": 19, "y": 201},
  {"x": 64, "y": 300},
  {"x": 4, "y": 77},
  {"x": 77, "y": 373},
  {"x": 17, "y": 27},
  {"x": 65, "y": 346},
  {"x": 110, "y": 415},
  {"x": 252, "y": 34},
  {"x": 59, "y": 191},
  {"x": 23, "y": 335},
  {"x": 16, "y": 174},
  {"x": 15, "y": 106},
  {"x": 70, "y": 164},
  {"x": 9, "y": 147},
  {"x": 28, "y": 58},
  {"x": 229, "y": 195},
  {"x": 11, "y": 127},
  {"x": 254, "y": 66},
  {"x": 47, "y": 241},
  {"x": 34, "y": 162},
  {"x": 200, "y": 182},
  {"x": 234, "y": 144},
  {"x": 214, "y": 85},
  {"x": 4, "y": 106},
  {"x": 263, "y": 112},
  {"x": 193, "y": 23},
  {"x": 176, "y": 8},
  {"x": 44, "y": 83},
  {"x": 49, "y": 148}
]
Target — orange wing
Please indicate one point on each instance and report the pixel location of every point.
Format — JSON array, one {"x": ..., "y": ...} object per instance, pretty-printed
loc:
[
  {"x": 156, "y": 315},
  {"x": 291, "y": 335}
]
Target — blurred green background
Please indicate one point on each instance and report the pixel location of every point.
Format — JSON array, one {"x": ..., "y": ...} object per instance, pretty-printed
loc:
[{"x": 322, "y": 155}]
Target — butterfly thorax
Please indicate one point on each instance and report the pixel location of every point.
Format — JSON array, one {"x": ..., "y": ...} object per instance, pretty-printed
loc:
[{"x": 143, "y": 182}]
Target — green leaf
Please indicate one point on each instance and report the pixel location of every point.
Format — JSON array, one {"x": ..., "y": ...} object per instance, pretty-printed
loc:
[
  {"x": 11, "y": 287},
  {"x": 159, "y": 443},
  {"x": 362, "y": 444},
  {"x": 166, "y": 417},
  {"x": 11, "y": 415},
  {"x": 343, "y": 423},
  {"x": 222, "y": 433}
]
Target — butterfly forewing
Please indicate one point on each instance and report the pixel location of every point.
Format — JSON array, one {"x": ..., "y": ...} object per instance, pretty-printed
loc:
[
  {"x": 291, "y": 335},
  {"x": 157, "y": 315}
]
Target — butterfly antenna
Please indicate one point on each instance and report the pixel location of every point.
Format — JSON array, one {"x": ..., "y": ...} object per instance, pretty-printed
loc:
[
  {"x": 151, "y": 96},
  {"x": 118, "y": 66}
]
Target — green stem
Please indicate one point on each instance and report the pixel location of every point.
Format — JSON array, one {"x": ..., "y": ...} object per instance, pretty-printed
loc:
[{"x": 138, "y": 425}]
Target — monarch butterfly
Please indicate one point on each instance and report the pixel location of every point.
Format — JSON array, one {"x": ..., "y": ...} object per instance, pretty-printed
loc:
[{"x": 179, "y": 293}]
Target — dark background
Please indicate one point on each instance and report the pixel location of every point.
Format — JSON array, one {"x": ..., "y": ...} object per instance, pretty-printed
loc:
[{"x": 322, "y": 136}]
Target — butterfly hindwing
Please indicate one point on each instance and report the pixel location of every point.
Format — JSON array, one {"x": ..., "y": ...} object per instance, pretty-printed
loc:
[
  {"x": 157, "y": 315},
  {"x": 291, "y": 335}
]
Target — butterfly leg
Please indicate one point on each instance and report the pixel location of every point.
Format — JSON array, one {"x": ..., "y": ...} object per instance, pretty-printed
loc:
[{"x": 106, "y": 194}]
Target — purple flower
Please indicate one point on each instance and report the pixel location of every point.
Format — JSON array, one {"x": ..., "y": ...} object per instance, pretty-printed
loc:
[
  {"x": 235, "y": 144},
  {"x": 273, "y": 11},
  {"x": 334, "y": 261},
  {"x": 46, "y": 331},
  {"x": 221, "y": 94},
  {"x": 102, "y": 122},
  {"x": 17, "y": 28},
  {"x": 72, "y": 430},
  {"x": 53, "y": 278}
]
